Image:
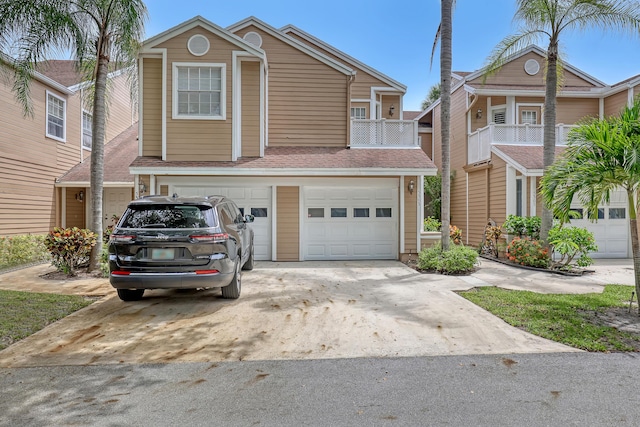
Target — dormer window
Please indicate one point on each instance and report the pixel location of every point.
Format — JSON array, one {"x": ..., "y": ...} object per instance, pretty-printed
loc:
[{"x": 199, "y": 91}]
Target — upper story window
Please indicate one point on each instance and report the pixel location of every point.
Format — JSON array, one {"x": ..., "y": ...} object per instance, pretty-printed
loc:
[
  {"x": 529, "y": 117},
  {"x": 56, "y": 117},
  {"x": 199, "y": 91},
  {"x": 87, "y": 130},
  {"x": 358, "y": 113}
]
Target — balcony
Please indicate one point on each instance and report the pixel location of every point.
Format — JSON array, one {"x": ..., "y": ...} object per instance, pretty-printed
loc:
[
  {"x": 480, "y": 141},
  {"x": 384, "y": 133}
]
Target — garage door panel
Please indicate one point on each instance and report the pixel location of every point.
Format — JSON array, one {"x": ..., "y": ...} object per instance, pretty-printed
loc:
[
  {"x": 611, "y": 233},
  {"x": 359, "y": 235}
]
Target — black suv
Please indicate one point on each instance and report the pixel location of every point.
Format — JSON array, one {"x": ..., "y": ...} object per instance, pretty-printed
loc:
[{"x": 180, "y": 242}]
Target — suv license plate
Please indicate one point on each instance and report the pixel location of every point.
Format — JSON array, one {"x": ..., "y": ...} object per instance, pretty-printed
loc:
[{"x": 162, "y": 254}]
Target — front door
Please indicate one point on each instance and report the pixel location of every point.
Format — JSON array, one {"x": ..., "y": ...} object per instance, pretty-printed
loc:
[{"x": 114, "y": 204}]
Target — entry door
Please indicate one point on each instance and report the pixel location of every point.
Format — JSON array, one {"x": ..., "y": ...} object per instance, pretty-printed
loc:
[{"x": 115, "y": 201}]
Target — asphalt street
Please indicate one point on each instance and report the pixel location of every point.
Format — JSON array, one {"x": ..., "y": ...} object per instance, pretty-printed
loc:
[{"x": 478, "y": 390}]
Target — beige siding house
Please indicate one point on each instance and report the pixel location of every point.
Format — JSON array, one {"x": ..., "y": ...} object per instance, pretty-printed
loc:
[
  {"x": 36, "y": 151},
  {"x": 496, "y": 144},
  {"x": 302, "y": 136}
]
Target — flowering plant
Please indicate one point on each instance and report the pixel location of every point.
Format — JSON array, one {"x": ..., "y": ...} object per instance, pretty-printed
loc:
[{"x": 525, "y": 251}]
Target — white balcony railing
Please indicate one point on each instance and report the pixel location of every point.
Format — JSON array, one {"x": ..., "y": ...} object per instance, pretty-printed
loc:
[
  {"x": 384, "y": 133},
  {"x": 480, "y": 141}
]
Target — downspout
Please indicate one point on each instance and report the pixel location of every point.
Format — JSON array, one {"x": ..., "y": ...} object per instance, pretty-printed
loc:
[{"x": 350, "y": 79}]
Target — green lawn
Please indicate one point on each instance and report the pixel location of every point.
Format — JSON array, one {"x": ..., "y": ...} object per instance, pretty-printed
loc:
[
  {"x": 569, "y": 319},
  {"x": 24, "y": 313}
]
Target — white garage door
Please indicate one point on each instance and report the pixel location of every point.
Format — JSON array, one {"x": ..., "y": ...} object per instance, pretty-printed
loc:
[
  {"x": 350, "y": 223},
  {"x": 251, "y": 200},
  {"x": 611, "y": 231}
]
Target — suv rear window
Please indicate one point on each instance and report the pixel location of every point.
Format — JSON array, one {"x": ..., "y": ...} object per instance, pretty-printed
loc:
[{"x": 168, "y": 216}]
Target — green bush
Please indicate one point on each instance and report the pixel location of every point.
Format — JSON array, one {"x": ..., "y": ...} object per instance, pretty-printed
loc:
[
  {"x": 22, "y": 249},
  {"x": 570, "y": 242},
  {"x": 432, "y": 224},
  {"x": 522, "y": 226},
  {"x": 525, "y": 251},
  {"x": 458, "y": 259},
  {"x": 70, "y": 247}
]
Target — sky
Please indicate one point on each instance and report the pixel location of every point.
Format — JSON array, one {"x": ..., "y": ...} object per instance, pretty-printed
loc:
[{"x": 396, "y": 37}]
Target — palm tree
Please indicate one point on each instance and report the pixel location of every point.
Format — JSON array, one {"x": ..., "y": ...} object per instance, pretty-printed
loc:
[
  {"x": 601, "y": 156},
  {"x": 101, "y": 34},
  {"x": 548, "y": 20},
  {"x": 432, "y": 96},
  {"x": 444, "y": 36}
]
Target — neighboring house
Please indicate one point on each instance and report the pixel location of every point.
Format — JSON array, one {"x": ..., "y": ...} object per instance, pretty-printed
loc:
[
  {"x": 302, "y": 136},
  {"x": 35, "y": 151},
  {"x": 496, "y": 144}
]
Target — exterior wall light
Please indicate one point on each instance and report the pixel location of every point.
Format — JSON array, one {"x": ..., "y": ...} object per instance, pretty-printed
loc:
[
  {"x": 391, "y": 110},
  {"x": 142, "y": 187},
  {"x": 479, "y": 114},
  {"x": 411, "y": 186},
  {"x": 80, "y": 196}
]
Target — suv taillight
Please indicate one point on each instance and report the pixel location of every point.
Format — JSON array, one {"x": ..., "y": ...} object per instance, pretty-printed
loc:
[
  {"x": 122, "y": 238},
  {"x": 211, "y": 238}
]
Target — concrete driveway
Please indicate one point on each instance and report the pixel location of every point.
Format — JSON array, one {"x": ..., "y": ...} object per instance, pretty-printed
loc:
[{"x": 310, "y": 310}]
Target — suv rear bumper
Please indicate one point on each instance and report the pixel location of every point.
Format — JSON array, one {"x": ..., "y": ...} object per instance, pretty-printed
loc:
[{"x": 170, "y": 280}]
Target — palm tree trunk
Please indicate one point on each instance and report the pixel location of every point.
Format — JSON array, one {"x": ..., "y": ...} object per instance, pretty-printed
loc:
[
  {"x": 97, "y": 158},
  {"x": 549, "y": 139},
  {"x": 445, "y": 117},
  {"x": 635, "y": 243}
]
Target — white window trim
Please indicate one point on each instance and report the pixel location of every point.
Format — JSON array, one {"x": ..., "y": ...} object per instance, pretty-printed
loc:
[
  {"x": 64, "y": 119},
  {"x": 223, "y": 90},
  {"x": 82, "y": 130},
  {"x": 359, "y": 108},
  {"x": 532, "y": 113},
  {"x": 520, "y": 106}
]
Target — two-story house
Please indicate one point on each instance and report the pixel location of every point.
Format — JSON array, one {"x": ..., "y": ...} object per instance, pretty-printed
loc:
[
  {"x": 496, "y": 144},
  {"x": 299, "y": 134},
  {"x": 35, "y": 151}
]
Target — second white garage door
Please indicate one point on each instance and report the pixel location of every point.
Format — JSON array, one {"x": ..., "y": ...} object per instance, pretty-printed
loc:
[
  {"x": 350, "y": 223},
  {"x": 251, "y": 200}
]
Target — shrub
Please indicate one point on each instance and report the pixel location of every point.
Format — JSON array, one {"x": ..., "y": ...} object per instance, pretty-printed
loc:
[
  {"x": 455, "y": 234},
  {"x": 570, "y": 242},
  {"x": 525, "y": 251},
  {"x": 70, "y": 247},
  {"x": 22, "y": 249},
  {"x": 492, "y": 234},
  {"x": 432, "y": 224},
  {"x": 522, "y": 226},
  {"x": 458, "y": 259}
]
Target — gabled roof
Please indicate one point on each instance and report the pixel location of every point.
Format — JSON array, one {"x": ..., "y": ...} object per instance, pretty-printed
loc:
[
  {"x": 62, "y": 71},
  {"x": 253, "y": 21},
  {"x": 8, "y": 61},
  {"x": 118, "y": 155},
  {"x": 542, "y": 53},
  {"x": 343, "y": 56},
  {"x": 199, "y": 21}
]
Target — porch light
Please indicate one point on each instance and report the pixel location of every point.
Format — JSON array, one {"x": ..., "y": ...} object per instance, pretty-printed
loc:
[
  {"x": 391, "y": 110},
  {"x": 411, "y": 186},
  {"x": 479, "y": 114},
  {"x": 80, "y": 196},
  {"x": 142, "y": 186}
]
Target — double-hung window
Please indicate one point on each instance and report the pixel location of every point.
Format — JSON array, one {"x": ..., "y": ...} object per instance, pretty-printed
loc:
[
  {"x": 87, "y": 130},
  {"x": 56, "y": 117},
  {"x": 199, "y": 91}
]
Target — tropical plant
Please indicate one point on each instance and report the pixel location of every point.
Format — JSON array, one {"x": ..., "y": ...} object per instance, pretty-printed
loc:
[
  {"x": 548, "y": 20},
  {"x": 602, "y": 155},
  {"x": 522, "y": 226},
  {"x": 22, "y": 249},
  {"x": 70, "y": 247},
  {"x": 432, "y": 96},
  {"x": 492, "y": 234},
  {"x": 455, "y": 234},
  {"x": 570, "y": 242},
  {"x": 525, "y": 251},
  {"x": 432, "y": 192},
  {"x": 432, "y": 224},
  {"x": 101, "y": 34}
]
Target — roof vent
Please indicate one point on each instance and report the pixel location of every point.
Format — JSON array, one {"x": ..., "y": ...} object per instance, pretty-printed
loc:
[
  {"x": 253, "y": 38},
  {"x": 532, "y": 67},
  {"x": 198, "y": 45}
]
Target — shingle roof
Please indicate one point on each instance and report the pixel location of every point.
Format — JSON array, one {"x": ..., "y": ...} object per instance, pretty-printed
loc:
[
  {"x": 309, "y": 158},
  {"x": 410, "y": 115},
  {"x": 61, "y": 71},
  {"x": 118, "y": 155},
  {"x": 527, "y": 156}
]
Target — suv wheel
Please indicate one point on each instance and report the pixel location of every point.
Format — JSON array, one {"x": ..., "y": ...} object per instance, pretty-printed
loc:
[
  {"x": 232, "y": 290},
  {"x": 130, "y": 294}
]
